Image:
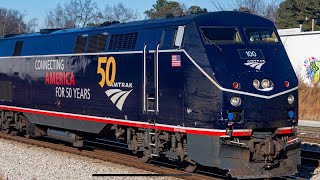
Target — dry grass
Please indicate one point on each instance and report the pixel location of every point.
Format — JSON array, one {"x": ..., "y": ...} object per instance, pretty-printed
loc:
[{"x": 309, "y": 102}]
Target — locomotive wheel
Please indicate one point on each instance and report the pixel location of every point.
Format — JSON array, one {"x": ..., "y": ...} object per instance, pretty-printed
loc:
[
  {"x": 189, "y": 167},
  {"x": 144, "y": 159},
  {"x": 6, "y": 131},
  {"x": 4, "y": 127},
  {"x": 14, "y": 133}
]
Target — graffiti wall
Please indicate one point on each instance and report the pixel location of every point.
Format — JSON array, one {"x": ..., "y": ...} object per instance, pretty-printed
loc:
[{"x": 312, "y": 71}]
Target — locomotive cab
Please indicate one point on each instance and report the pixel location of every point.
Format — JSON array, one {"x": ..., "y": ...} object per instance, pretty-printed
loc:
[{"x": 250, "y": 92}]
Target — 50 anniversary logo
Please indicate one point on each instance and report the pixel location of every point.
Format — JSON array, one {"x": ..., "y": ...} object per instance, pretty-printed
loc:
[{"x": 108, "y": 77}]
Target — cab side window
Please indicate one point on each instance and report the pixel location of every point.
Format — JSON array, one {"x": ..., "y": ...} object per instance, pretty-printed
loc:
[
  {"x": 97, "y": 43},
  {"x": 18, "y": 48},
  {"x": 80, "y": 44},
  {"x": 168, "y": 36}
]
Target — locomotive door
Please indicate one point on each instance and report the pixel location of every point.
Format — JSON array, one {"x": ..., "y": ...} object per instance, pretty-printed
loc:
[{"x": 17, "y": 73}]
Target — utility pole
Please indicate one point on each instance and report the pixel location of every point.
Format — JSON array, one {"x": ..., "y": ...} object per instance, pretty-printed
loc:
[{"x": 313, "y": 23}]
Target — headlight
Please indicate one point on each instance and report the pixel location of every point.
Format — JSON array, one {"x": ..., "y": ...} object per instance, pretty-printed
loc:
[
  {"x": 256, "y": 83},
  {"x": 291, "y": 99},
  {"x": 265, "y": 84},
  {"x": 235, "y": 101}
]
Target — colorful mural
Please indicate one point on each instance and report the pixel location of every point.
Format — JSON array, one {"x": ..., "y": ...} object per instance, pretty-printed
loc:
[{"x": 312, "y": 66}]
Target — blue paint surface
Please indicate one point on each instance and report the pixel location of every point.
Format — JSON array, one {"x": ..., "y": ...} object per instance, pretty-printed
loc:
[{"x": 179, "y": 88}]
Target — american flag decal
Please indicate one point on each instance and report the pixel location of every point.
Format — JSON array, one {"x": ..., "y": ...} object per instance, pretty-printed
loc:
[{"x": 176, "y": 61}]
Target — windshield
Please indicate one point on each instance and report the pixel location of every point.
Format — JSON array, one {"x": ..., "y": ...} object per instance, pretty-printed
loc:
[
  {"x": 220, "y": 35},
  {"x": 261, "y": 35}
]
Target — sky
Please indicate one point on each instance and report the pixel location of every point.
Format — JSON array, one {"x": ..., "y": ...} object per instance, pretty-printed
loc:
[{"x": 39, "y": 8}]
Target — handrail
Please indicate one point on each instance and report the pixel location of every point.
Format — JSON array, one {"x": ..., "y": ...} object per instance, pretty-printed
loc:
[
  {"x": 144, "y": 77},
  {"x": 157, "y": 78}
]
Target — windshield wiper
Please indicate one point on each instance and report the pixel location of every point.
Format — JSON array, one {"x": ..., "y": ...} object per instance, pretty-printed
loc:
[{"x": 213, "y": 43}]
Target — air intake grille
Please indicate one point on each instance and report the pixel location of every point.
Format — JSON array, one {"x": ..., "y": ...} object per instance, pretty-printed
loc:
[{"x": 123, "y": 41}]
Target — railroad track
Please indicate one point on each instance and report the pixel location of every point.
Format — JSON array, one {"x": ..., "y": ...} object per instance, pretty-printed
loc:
[
  {"x": 310, "y": 158},
  {"x": 310, "y": 149},
  {"x": 111, "y": 156},
  {"x": 309, "y": 134},
  {"x": 307, "y": 155}
]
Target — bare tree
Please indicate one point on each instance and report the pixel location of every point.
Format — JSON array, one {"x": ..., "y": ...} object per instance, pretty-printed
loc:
[
  {"x": 11, "y": 22},
  {"x": 82, "y": 12},
  {"x": 271, "y": 10},
  {"x": 219, "y": 6},
  {"x": 258, "y": 7},
  {"x": 32, "y": 25},
  {"x": 254, "y": 6},
  {"x": 75, "y": 13},
  {"x": 118, "y": 12},
  {"x": 57, "y": 18}
]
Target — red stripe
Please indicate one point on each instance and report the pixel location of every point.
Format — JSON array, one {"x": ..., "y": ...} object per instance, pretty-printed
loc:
[
  {"x": 209, "y": 132},
  {"x": 176, "y": 64},
  {"x": 242, "y": 133},
  {"x": 285, "y": 130}
]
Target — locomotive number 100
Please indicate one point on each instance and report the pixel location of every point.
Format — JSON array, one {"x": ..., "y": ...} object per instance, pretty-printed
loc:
[
  {"x": 108, "y": 75},
  {"x": 251, "y": 54}
]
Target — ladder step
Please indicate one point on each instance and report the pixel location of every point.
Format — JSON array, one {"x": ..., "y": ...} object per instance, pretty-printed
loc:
[
  {"x": 152, "y": 122},
  {"x": 151, "y": 110},
  {"x": 152, "y": 144},
  {"x": 150, "y": 98}
]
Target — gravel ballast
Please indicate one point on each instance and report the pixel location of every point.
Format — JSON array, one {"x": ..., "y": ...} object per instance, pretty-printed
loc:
[
  {"x": 316, "y": 174},
  {"x": 23, "y": 161}
]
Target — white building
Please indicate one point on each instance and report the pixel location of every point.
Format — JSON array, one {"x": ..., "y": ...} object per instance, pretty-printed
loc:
[{"x": 302, "y": 49}]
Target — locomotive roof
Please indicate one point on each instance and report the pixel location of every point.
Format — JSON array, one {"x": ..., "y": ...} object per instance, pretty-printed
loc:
[
  {"x": 143, "y": 23},
  {"x": 120, "y": 36},
  {"x": 227, "y": 18}
]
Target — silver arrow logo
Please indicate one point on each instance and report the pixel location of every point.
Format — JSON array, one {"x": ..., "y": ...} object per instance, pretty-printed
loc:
[{"x": 118, "y": 97}]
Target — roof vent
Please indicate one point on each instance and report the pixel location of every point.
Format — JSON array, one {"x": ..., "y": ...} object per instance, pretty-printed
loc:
[
  {"x": 169, "y": 15},
  {"x": 245, "y": 9},
  {"x": 48, "y": 31},
  {"x": 107, "y": 23},
  {"x": 11, "y": 35}
]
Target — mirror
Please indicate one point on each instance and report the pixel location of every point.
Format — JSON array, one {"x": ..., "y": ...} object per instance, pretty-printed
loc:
[{"x": 179, "y": 36}]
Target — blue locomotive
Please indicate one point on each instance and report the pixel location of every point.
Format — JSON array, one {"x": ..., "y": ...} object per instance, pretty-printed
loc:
[{"x": 211, "y": 89}]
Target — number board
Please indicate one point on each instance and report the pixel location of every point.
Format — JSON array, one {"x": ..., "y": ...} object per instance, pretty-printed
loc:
[{"x": 251, "y": 54}]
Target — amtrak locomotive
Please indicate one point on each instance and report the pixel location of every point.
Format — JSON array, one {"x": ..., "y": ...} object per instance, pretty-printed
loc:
[{"x": 211, "y": 89}]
